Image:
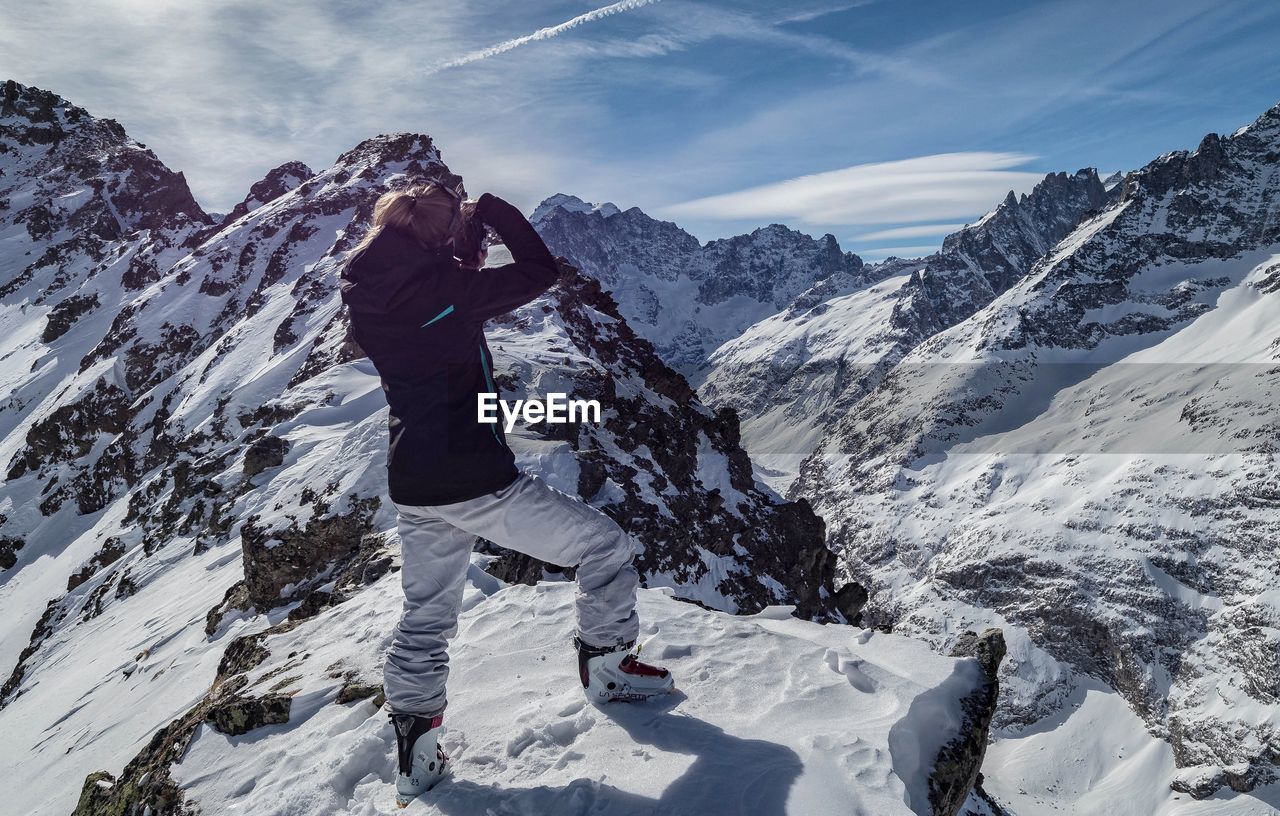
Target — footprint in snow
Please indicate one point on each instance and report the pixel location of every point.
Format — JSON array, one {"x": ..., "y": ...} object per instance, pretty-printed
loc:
[{"x": 851, "y": 669}]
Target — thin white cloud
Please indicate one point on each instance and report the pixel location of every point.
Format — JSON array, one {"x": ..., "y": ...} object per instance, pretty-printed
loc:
[
  {"x": 809, "y": 15},
  {"x": 915, "y": 231},
  {"x": 541, "y": 34},
  {"x": 880, "y": 253},
  {"x": 944, "y": 185}
]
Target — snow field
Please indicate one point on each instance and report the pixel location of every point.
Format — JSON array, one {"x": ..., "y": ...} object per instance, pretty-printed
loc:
[{"x": 772, "y": 715}]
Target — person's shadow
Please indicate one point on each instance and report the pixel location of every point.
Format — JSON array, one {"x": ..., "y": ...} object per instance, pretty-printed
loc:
[{"x": 729, "y": 777}]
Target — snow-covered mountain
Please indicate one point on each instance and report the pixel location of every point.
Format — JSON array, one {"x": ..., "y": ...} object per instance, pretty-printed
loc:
[
  {"x": 1089, "y": 463},
  {"x": 1062, "y": 424},
  {"x": 794, "y": 374},
  {"x": 194, "y": 530},
  {"x": 686, "y": 297}
]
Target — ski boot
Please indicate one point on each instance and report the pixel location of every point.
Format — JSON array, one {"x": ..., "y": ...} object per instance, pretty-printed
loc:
[
  {"x": 422, "y": 760},
  {"x": 612, "y": 673}
]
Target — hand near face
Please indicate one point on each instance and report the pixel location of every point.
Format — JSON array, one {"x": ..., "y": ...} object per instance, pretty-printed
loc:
[{"x": 475, "y": 262}]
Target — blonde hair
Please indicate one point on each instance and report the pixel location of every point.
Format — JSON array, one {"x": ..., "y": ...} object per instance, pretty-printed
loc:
[{"x": 427, "y": 212}]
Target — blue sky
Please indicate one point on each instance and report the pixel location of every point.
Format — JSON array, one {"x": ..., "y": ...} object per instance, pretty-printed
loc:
[{"x": 885, "y": 123}]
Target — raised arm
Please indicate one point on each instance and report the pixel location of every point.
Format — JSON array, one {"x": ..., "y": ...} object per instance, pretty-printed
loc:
[{"x": 498, "y": 289}]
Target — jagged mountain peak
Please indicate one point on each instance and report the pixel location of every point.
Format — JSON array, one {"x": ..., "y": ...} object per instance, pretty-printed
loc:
[
  {"x": 1052, "y": 186},
  {"x": 1266, "y": 126},
  {"x": 78, "y": 173},
  {"x": 685, "y": 296},
  {"x": 775, "y": 233},
  {"x": 571, "y": 203},
  {"x": 278, "y": 181},
  {"x": 1216, "y": 160},
  {"x": 35, "y": 116},
  {"x": 1052, "y": 189},
  {"x": 413, "y": 155}
]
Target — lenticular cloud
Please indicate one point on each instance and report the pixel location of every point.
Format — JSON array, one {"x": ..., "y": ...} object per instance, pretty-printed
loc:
[{"x": 924, "y": 188}]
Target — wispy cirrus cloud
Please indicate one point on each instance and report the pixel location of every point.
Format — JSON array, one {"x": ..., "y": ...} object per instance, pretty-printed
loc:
[
  {"x": 541, "y": 34},
  {"x": 925, "y": 188}
]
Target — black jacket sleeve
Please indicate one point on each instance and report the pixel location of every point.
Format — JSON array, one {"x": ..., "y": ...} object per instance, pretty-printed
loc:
[{"x": 495, "y": 290}]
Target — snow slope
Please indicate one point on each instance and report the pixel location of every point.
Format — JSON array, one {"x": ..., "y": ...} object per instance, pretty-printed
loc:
[
  {"x": 789, "y": 375},
  {"x": 1095, "y": 756},
  {"x": 1089, "y": 462},
  {"x": 773, "y": 716}
]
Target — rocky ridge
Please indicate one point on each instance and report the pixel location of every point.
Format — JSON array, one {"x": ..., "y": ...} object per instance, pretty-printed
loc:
[
  {"x": 796, "y": 372},
  {"x": 686, "y": 297}
]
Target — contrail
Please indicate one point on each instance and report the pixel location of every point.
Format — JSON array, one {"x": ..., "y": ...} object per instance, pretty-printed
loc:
[{"x": 542, "y": 34}]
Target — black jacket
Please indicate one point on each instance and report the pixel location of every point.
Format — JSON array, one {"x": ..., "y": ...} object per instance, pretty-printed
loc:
[{"x": 420, "y": 318}]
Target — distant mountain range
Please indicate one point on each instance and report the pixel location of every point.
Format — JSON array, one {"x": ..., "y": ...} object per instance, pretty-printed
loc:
[{"x": 1062, "y": 423}]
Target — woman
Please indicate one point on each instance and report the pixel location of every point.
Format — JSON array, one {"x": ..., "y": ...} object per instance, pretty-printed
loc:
[{"x": 418, "y": 297}]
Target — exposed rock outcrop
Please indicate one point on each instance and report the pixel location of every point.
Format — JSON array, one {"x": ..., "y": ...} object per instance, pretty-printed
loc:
[
  {"x": 265, "y": 453},
  {"x": 277, "y": 182},
  {"x": 957, "y": 767},
  {"x": 278, "y": 562}
]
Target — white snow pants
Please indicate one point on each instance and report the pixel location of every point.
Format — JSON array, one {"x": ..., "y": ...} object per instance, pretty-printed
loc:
[{"x": 528, "y": 516}]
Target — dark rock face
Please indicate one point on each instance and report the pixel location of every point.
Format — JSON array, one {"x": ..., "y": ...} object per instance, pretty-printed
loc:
[
  {"x": 130, "y": 189},
  {"x": 240, "y": 716},
  {"x": 279, "y": 559},
  {"x": 110, "y": 553},
  {"x": 980, "y": 262},
  {"x": 956, "y": 768},
  {"x": 66, "y": 313},
  {"x": 666, "y": 445},
  {"x": 850, "y": 599},
  {"x": 352, "y": 692},
  {"x": 279, "y": 181},
  {"x": 69, "y": 432},
  {"x": 267, "y": 452},
  {"x": 9, "y": 546}
]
